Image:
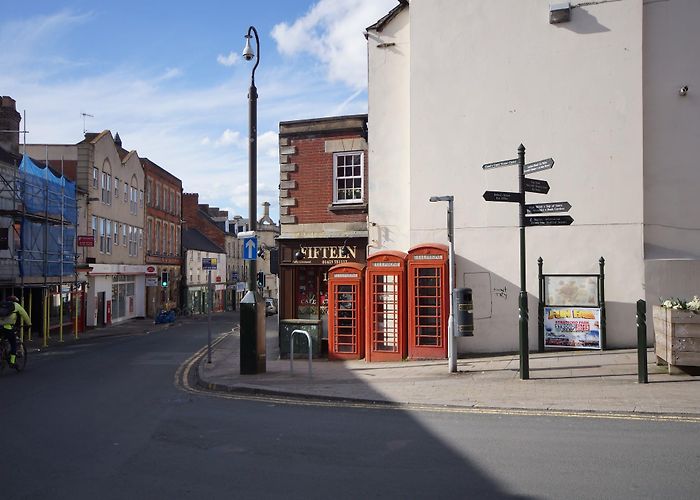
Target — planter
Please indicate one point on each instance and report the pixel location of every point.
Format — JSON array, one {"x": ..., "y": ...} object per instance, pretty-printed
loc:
[{"x": 677, "y": 338}]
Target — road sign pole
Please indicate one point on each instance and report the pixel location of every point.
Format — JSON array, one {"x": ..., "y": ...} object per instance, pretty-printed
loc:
[
  {"x": 523, "y": 314},
  {"x": 209, "y": 304},
  {"x": 252, "y": 343}
]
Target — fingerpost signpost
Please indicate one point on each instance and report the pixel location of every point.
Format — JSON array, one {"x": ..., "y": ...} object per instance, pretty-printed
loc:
[{"x": 531, "y": 186}]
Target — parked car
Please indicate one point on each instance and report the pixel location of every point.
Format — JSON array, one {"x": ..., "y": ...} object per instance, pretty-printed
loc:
[{"x": 270, "y": 307}]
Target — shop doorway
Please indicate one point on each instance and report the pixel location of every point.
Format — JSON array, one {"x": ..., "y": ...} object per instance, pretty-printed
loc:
[{"x": 311, "y": 299}]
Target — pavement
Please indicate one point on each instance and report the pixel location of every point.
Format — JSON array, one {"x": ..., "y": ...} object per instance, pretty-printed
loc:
[{"x": 594, "y": 382}]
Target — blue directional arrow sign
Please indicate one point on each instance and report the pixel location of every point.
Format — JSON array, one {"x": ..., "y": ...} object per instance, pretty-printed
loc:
[{"x": 250, "y": 248}]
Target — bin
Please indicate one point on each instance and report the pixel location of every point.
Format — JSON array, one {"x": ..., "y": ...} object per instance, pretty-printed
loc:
[
  {"x": 428, "y": 301},
  {"x": 346, "y": 339},
  {"x": 385, "y": 311},
  {"x": 301, "y": 344}
]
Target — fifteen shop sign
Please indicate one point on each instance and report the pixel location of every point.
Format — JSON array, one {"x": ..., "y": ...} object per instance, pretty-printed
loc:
[{"x": 334, "y": 254}]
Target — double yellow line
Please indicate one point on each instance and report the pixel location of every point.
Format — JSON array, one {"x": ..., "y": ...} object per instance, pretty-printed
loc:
[{"x": 182, "y": 376}]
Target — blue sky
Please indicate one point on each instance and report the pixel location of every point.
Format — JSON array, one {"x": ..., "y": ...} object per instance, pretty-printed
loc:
[{"x": 168, "y": 77}]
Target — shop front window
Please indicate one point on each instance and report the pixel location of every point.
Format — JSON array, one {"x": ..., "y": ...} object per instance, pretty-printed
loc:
[{"x": 312, "y": 293}]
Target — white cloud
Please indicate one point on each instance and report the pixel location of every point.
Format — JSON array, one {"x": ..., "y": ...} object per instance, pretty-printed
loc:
[
  {"x": 229, "y": 60},
  {"x": 332, "y": 31},
  {"x": 169, "y": 74},
  {"x": 197, "y": 130},
  {"x": 229, "y": 137}
]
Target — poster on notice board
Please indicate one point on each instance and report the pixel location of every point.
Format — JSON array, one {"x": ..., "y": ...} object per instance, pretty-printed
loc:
[{"x": 572, "y": 327}]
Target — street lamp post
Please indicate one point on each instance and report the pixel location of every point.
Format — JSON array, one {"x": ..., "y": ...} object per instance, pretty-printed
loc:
[
  {"x": 253, "y": 356},
  {"x": 451, "y": 348}
]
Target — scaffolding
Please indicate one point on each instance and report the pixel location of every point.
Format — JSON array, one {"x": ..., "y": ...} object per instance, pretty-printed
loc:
[{"x": 40, "y": 206}]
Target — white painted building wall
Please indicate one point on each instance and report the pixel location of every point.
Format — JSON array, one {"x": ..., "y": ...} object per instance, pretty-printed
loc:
[
  {"x": 485, "y": 76},
  {"x": 671, "y": 158}
]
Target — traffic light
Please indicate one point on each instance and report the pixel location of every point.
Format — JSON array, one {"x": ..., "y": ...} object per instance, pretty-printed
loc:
[
  {"x": 261, "y": 279},
  {"x": 164, "y": 279}
]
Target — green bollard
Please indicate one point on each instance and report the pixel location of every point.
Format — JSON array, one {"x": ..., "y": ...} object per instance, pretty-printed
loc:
[{"x": 642, "y": 342}]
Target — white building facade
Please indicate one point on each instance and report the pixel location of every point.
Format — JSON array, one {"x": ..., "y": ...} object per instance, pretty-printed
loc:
[{"x": 454, "y": 85}]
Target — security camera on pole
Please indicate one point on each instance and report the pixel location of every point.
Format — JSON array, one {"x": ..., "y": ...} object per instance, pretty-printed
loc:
[{"x": 253, "y": 356}]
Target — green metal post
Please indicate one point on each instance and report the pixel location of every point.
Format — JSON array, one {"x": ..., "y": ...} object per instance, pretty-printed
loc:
[
  {"x": 603, "y": 324},
  {"x": 642, "y": 374},
  {"x": 523, "y": 313},
  {"x": 540, "y": 307}
]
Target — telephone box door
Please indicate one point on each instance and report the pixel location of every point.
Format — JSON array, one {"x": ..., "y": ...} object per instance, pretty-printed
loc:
[
  {"x": 385, "y": 282},
  {"x": 346, "y": 339},
  {"x": 428, "y": 301}
]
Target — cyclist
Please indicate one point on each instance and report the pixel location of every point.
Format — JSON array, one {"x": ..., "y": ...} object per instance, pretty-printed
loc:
[{"x": 9, "y": 327}]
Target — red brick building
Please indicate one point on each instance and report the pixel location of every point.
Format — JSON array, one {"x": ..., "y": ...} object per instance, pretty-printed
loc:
[
  {"x": 323, "y": 208},
  {"x": 163, "y": 237},
  {"x": 196, "y": 216}
]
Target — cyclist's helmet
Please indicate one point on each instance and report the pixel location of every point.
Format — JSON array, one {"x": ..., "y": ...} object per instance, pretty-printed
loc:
[{"x": 12, "y": 298}]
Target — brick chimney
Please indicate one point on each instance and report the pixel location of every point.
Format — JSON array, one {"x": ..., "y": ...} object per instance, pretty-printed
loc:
[{"x": 9, "y": 121}]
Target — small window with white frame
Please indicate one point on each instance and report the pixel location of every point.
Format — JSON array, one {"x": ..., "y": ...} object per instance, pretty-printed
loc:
[{"x": 348, "y": 177}]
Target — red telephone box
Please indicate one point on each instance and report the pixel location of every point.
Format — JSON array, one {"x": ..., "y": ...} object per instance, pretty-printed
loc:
[
  {"x": 385, "y": 282},
  {"x": 428, "y": 301},
  {"x": 346, "y": 311}
]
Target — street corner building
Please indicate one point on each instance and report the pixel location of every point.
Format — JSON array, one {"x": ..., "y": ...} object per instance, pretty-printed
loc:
[
  {"x": 323, "y": 213},
  {"x": 603, "y": 97}
]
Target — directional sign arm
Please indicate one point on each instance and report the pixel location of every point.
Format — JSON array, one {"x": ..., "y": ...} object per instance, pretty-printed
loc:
[
  {"x": 536, "y": 186},
  {"x": 549, "y": 220},
  {"x": 498, "y": 164},
  {"x": 502, "y": 196},
  {"x": 537, "y": 166},
  {"x": 547, "y": 208}
]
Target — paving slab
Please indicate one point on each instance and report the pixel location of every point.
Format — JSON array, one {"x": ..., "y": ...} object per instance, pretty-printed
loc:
[{"x": 581, "y": 381}]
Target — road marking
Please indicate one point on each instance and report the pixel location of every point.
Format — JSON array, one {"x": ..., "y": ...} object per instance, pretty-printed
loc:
[{"x": 182, "y": 382}]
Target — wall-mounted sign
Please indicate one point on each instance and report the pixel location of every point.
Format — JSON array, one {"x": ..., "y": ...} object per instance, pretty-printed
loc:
[
  {"x": 209, "y": 263},
  {"x": 329, "y": 255},
  {"x": 322, "y": 251},
  {"x": 86, "y": 241},
  {"x": 577, "y": 327}
]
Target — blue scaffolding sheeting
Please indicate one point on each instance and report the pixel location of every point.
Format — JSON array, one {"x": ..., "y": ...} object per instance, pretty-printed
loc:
[
  {"x": 45, "y": 193},
  {"x": 48, "y": 246}
]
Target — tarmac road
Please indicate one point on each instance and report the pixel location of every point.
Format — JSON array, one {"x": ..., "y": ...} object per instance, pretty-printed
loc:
[{"x": 105, "y": 418}]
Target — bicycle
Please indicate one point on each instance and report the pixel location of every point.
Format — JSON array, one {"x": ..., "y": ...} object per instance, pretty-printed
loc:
[
  {"x": 20, "y": 358},
  {"x": 183, "y": 311}
]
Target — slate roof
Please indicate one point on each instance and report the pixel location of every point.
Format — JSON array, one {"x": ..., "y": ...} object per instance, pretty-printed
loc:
[{"x": 192, "y": 239}]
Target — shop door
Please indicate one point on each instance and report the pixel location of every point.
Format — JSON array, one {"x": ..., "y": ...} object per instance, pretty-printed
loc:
[
  {"x": 312, "y": 295},
  {"x": 101, "y": 309}
]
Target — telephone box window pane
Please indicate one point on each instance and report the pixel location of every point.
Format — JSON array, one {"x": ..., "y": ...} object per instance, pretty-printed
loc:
[
  {"x": 428, "y": 306},
  {"x": 346, "y": 323},
  {"x": 385, "y": 313}
]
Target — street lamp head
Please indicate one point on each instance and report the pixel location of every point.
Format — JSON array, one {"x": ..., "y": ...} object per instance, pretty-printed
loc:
[
  {"x": 434, "y": 199},
  {"x": 248, "y": 53}
]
